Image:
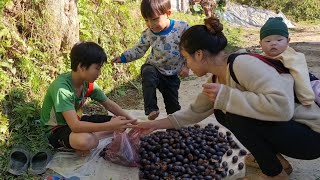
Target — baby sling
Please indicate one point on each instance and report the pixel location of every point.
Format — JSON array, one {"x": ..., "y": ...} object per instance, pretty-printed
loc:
[{"x": 271, "y": 62}]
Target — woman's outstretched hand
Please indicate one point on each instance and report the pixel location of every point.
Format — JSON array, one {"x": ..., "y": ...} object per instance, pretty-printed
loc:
[
  {"x": 145, "y": 125},
  {"x": 211, "y": 90}
]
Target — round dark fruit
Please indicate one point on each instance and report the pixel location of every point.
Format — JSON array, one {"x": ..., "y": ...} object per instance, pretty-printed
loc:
[
  {"x": 231, "y": 172},
  {"x": 242, "y": 152},
  {"x": 229, "y": 152},
  {"x": 234, "y": 159},
  {"x": 240, "y": 166},
  {"x": 224, "y": 164}
]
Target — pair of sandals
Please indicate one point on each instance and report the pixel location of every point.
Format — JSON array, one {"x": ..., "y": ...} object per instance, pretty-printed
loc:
[
  {"x": 21, "y": 161},
  {"x": 251, "y": 162}
]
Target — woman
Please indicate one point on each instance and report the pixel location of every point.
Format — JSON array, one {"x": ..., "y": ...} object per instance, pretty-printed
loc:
[{"x": 259, "y": 108}]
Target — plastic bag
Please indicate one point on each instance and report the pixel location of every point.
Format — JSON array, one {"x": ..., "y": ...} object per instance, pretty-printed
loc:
[
  {"x": 135, "y": 135},
  {"x": 124, "y": 147},
  {"x": 316, "y": 89}
]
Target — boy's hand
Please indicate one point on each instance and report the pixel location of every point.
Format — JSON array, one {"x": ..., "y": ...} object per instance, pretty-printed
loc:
[
  {"x": 120, "y": 123},
  {"x": 116, "y": 60},
  {"x": 184, "y": 71},
  {"x": 211, "y": 90}
]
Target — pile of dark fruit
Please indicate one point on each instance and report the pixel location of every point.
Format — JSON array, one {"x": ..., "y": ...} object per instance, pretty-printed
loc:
[{"x": 188, "y": 153}]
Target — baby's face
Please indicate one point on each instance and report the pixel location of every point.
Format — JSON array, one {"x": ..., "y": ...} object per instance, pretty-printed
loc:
[{"x": 274, "y": 45}]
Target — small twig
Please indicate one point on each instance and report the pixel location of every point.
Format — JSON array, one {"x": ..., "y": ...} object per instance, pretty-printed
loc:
[{"x": 134, "y": 85}]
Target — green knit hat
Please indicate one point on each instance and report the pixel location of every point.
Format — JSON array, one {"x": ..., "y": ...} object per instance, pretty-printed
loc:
[{"x": 274, "y": 26}]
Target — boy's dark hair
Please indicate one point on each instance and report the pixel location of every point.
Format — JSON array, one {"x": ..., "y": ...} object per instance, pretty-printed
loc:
[
  {"x": 86, "y": 53},
  {"x": 154, "y": 8}
]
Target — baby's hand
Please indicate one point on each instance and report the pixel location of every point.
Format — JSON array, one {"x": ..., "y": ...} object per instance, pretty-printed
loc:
[
  {"x": 116, "y": 60},
  {"x": 184, "y": 71}
]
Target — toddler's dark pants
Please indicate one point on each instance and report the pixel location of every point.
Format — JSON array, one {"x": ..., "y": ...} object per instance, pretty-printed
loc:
[
  {"x": 265, "y": 139},
  {"x": 167, "y": 85}
]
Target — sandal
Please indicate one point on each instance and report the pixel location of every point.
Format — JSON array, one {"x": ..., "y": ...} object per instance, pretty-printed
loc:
[
  {"x": 19, "y": 160},
  {"x": 251, "y": 162},
  {"x": 39, "y": 162}
]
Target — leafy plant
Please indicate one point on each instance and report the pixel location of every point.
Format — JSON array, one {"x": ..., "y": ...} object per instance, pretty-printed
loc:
[{"x": 3, "y": 3}]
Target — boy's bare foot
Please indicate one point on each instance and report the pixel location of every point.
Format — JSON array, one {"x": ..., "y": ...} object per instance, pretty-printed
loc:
[{"x": 153, "y": 115}]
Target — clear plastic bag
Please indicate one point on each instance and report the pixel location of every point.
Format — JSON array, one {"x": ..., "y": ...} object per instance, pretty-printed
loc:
[
  {"x": 121, "y": 151},
  {"x": 124, "y": 147},
  {"x": 135, "y": 135}
]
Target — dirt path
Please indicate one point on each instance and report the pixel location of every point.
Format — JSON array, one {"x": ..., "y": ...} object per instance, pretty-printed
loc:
[{"x": 303, "y": 39}]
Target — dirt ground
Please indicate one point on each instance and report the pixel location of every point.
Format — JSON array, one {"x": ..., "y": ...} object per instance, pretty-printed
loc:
[{"x": 303, "y": 39}]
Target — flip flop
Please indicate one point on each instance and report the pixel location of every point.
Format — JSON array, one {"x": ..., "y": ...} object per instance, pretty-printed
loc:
[
  {"x": 19, "y": 160},
  {"x": 39, "y": 162}
]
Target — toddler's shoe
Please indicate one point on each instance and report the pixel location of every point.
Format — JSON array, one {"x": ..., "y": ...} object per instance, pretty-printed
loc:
[{"x": 153, "y": 115}]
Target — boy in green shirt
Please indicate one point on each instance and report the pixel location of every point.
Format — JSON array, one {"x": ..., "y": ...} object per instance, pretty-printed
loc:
[{"x": 61, "y": 112}]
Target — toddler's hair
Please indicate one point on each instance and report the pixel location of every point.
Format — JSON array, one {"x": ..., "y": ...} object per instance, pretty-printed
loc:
[{"x": 154, "y": 8}]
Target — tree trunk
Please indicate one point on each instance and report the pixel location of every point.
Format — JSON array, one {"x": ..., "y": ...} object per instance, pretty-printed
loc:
[
  {"x": 63, "y": 24},
  {"x": 58, "y": 26}
]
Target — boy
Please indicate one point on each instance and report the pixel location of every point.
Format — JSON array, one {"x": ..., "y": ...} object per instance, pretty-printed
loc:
[
  {"x": 165, "y": 62},
  {"x": 61, "y": 113},
  {"x": 274, "y": 41}
]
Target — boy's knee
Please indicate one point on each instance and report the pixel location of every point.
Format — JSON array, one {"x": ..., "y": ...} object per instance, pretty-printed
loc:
[{"x": 83, "y": 141}]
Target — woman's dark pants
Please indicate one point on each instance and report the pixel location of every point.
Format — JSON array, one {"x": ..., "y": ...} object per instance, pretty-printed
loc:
[{"x": 265, "y": 139}]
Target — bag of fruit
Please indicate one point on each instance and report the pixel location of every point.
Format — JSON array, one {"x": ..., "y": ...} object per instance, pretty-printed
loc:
[{"x": 124, "y": 147}]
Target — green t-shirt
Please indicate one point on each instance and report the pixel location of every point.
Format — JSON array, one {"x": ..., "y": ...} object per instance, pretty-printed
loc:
[{"x": 61, "y": 97}]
